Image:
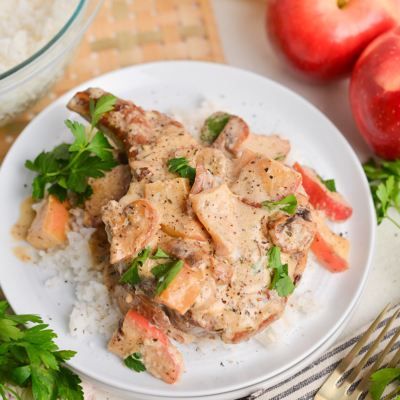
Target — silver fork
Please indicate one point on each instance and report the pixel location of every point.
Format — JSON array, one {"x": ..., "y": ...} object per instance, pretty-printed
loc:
[{"x": 331, "y": 391}]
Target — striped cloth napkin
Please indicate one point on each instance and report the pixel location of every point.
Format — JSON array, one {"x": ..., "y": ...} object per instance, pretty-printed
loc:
[{"x": 305, "y": 384}]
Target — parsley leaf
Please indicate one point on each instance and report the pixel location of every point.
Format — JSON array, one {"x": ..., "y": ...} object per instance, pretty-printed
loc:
[
  {"x": 59, "y": 191},
  {"x": 213, "y": 126},
  {"x": 281, "y": 280},
  {"x": 329, "y": 184},
  {"x": 280, "y": 158},
  {"x": 160, "y": 254},
  {"x": 384, "y": 182},
  {"x": 131, "y": 276},
  {"x": 133, "y": 362},
  {"x": 103, "y": 105},
  {"x": 68, "y": 385},
  {"x": 61, "y": 152},
  {"x": 9, "y": 330},
  {"x": 381, "y": 379},
  {"x": 181, "y": 165},
  {"x": 30, "y": 359},
  {"x": 100, "y": 147},
  {"x": 166, "y": 274},
  {"x": 69, "y": 166},
  {"x": 288, "y": 204},
  {"x": 260, "y": 264},
  {"x": 79, "y": 131}
]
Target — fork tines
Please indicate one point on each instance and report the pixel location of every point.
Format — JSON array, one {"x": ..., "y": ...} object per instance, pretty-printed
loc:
[{"x": 331, "y": 391}]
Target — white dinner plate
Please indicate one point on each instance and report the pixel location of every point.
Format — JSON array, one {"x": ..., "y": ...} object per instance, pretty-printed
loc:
[{"x": 268, "y": 108}]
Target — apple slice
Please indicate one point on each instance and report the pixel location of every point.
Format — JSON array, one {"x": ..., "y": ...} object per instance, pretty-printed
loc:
[
  {"x": 136, "y": 336},
  {"x": 335, "y": 206},
  {"x": 182, "y": 291},
  {"x": 48, "y": 227},
  {"x": 331, "y": 250}
]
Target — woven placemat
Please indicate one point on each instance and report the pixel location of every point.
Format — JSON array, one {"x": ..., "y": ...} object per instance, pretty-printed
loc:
[{"x": 129, "y": 32}]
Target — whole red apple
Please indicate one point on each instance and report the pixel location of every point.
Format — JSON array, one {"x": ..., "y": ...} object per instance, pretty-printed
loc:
[
  {"x": 375, "y": 94},
  {"x": 321, "y": 40}
]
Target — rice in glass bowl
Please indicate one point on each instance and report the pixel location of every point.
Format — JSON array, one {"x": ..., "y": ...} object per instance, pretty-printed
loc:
[{"x": 50, "y": 29}]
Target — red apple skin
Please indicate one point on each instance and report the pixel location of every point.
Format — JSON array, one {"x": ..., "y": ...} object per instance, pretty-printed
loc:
[
  {"x": 326, "y": 255},
  {"x": 334, "y": 205},
  {"x": 321, "y": 42},
  {"x": 375, "y": 95}
]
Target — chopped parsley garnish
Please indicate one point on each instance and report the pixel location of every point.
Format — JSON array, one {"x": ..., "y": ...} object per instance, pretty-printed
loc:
[
  {"x": 166, "y": 274},
  {"x": 68, "y": 167},
  {"x": 131, "y": 276},
  {"x": 329, "y": 184},
  {"x": 381, "y": 379},
  {"x": 213, "y": 126},
  {"x": 288, "y": 204},
  {"x": 133, "y": 362},
  {"x": 181, "y": 165},
  {"x": 281, "y": 280},
  {"x": 160, "y": 254},
  {"x": 280, "y": 158},
  {"x": 384, "y": 184},
  {"x": 259, "y": 264},
  {"x": 30, "y": 359}
]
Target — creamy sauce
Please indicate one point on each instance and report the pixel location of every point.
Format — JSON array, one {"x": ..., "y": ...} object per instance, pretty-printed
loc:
[
  {"x": 100, "y": 248},
  {"x": 23, "y": 253},
  {"x": 21, "y": 228},
  {"x": 238, "y": 230}
]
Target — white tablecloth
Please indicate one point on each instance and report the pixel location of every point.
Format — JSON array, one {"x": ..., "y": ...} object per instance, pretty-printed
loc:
[{"x": 241, "y": 27}]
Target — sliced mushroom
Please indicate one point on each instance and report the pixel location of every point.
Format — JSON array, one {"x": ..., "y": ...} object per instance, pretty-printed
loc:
[
  {"x": 204, "y": 180},
  {"x": 130, "y": 228},
  {"x": 233, "y": 136},
  {"x": 292, "y": 233}
]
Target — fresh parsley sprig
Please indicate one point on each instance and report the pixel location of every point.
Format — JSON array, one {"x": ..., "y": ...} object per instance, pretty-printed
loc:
[
  {"x": 131, "y": 276},
  {"x": 30, "y": 359},
  {"x": 381, "y": 379},
  {"x": 213, "y": 126},
  {"x": 329, "y": 184},
  {"x": 181, "y": 165},
  {"x": 68, "y": 167},
  {"x": 160, "y": 254},
  {"x": 384, "y": 182},
  {"x": 281, "y": 280},
  {"x": 166, "y": 274},
  {"x": 288, "y": 204},
  {"x": 133, "y": 362}
]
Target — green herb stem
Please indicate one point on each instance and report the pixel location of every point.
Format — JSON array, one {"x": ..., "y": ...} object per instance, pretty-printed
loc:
[
  {"x": 391, "y": 219},
  {"x": 9, "y": 390},
  {"x": 3, "y": 395}
]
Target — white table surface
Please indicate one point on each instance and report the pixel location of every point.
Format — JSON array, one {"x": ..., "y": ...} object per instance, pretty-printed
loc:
[{"x": 242, "y": 31}]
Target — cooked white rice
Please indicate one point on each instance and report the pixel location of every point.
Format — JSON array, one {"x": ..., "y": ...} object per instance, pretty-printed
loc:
[
  {"x": 96, "y": 311},
  {"x": 27, "y": 25}
]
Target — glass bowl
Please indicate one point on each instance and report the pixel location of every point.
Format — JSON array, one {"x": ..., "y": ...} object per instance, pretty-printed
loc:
[{"x": 24, "y": 85}]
